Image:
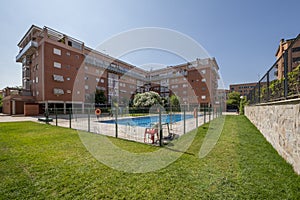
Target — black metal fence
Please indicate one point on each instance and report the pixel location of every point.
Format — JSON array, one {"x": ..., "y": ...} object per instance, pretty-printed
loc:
[
  {"x": 130, "y": 123},
  {"x": 282, "y": 80}
]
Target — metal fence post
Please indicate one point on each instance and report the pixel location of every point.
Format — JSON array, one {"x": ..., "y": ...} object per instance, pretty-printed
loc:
[
  {"x": 285, "y": 74},
  {"x": 116, "y": 121},
  {"x": 89, "y": 120},
  {"x": 70, "y": 118},
  {"x": 204, "y": 114},
  {"x": 268, "y": 86},
  {"x": 184, "y": 119},
  {"x": 55, "y": 110},
  {"x": 160, "y": 128}
]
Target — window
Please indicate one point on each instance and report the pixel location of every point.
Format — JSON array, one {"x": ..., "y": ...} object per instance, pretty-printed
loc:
[
  {"x": 97, "y": 80},
  {"x": 77, "y": 57},
  {"x": 58, "y": 78},
  {"x": 86, "y": 87},
  {"x": 203, "y": 97},
  {"x": 86, "y": 68},
  {"x": 58, "y": 91},
  {"x": 174, "y": 86},
  {"x": 102, "y": 80},
  {"x": 297, "y": 59},
  {"x": 203, "y": 88},
  {"x": 86, "y": 78},
  {"x": 185, "y": 85},
  {"x": 68, "y": 79},
  {"x": 203, "y": 71},
  {"x": 69, "y": 91},
  {"x": 57, "y": 65},
  {"x": 37, "y": 93},
  {"x": 36, "y": 79},
  {"x": 57, "y": 51},
  {"x": 68, "y": 53},
  {"x": 203, "y": 80},
  {"x": 295, "y": 49}
]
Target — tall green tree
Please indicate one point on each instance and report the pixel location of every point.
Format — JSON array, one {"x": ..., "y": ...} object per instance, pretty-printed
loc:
[
  {"x": 100, "y": 97},
  {"x": 234, "y": 99},
  {"x": 174, "y": 103}
]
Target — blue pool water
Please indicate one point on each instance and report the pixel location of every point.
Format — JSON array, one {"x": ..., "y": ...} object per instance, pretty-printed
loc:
[{"x": 148, "y": 121}]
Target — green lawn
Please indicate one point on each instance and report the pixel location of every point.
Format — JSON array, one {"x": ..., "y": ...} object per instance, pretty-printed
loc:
[{"x": 39, "y": 161}]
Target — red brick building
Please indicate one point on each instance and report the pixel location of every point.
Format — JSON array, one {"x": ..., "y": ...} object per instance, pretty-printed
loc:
[{"x": 60, "y": 71}]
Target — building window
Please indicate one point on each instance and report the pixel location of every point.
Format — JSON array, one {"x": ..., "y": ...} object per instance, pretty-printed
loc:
[
  {"x": 86, "y": 87},
  {"x": 203, "y": 88},
  {"x": 36, "y": 79},
  {"x": 57, "y": 65},
  {"x": 68, "y": 79},
  {"x": 97, "y": 80},
  {"x": 296, "y": 49},
  {"x": 86, "y": 78},
  {"x": 185, "y": 85},
  {"x": 77, "y": 57},
  {"x": 57, "y": 51},
  {"x": 58, "y": 78},
  {"x": 203, "y": 97},
  {"x": 174, "y": 86},
  {"x": 203, "y": 71},
  {"x": 58, "y": 91},
  {"x": 68, "y": 53},
  {"x": 297, "y": 59},
  {"x": 203, "y": 80},
  {"x": 102, "y": 80},
  {"x": 37, "y": 93},
  {"x": 86, "y": 68},
  {"x": 69, "y": 91}
]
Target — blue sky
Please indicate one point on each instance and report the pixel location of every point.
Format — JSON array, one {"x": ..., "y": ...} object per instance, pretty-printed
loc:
[{"x": 243, "y": 35}]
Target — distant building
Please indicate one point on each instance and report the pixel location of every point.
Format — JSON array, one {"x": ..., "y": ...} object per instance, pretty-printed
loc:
[
  {"x": 60, "y": 71},
  {"x": 293, "y": 58},
  {"x": 242, "y": 88}
]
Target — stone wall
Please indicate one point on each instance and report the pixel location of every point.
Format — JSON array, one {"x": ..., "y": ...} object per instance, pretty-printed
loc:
[{"x": 280, "y": 125}]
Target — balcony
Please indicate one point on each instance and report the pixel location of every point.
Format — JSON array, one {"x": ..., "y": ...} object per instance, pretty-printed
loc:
[{"x": 27, "y": 50}]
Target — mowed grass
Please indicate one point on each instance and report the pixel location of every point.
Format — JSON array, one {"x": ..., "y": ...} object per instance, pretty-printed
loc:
[{"x": 39, "y": 161}]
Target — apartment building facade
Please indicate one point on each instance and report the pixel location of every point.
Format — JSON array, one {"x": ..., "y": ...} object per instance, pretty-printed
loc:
[
  {"x": 242, "y": 88},
  {"x": 293, "y": 58},
  {"x": 60, "y": 71}
]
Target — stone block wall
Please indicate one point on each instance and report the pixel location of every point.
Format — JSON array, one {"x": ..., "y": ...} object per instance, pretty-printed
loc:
[{"x": 280, "y": 125}]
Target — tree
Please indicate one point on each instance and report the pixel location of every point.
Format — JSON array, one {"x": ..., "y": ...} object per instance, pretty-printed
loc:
[
  {"x": 100, "y": 97},
  {"x": 147, "y": 99},
  {"x": 174, "y": 103},
  {"x": 243, "y": 103},
  {"x": 234, "y": 99}
]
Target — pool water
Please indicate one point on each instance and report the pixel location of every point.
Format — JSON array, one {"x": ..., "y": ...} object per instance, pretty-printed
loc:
[{"x": 149, "y": 121}]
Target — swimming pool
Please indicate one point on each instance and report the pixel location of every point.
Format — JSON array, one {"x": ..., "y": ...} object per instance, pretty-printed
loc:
[{"x": 148, "y": 121}]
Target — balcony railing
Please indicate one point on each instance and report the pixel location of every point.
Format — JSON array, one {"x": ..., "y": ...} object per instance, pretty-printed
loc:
[{"x": 28, "y": 49}]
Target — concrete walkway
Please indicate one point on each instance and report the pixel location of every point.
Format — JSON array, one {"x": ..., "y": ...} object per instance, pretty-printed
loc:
[{"x": 16, "y": 118}]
